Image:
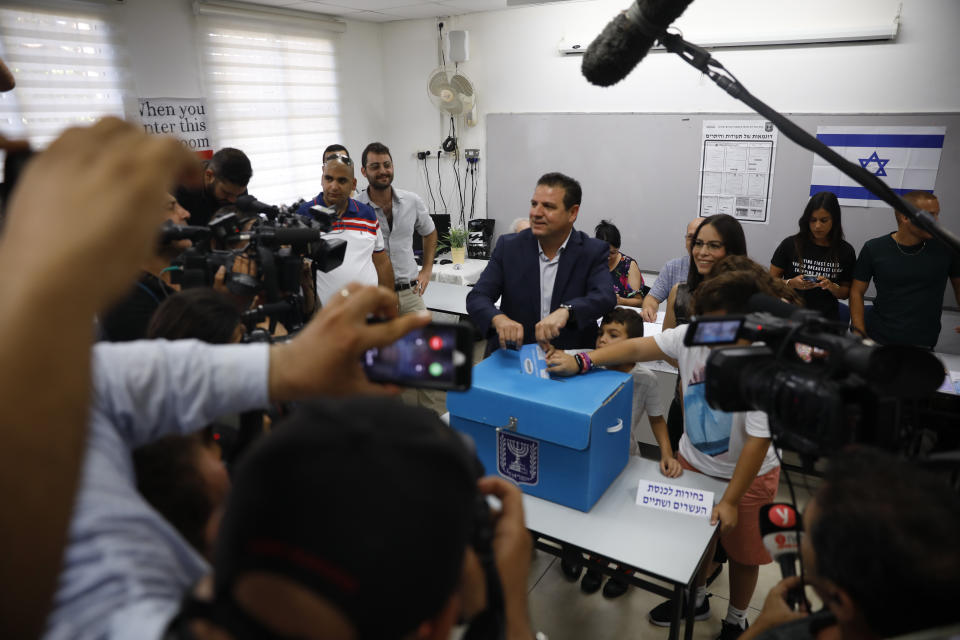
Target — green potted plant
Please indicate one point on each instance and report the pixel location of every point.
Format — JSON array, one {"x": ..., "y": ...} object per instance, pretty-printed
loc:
[{"x": 456, "y": 241}]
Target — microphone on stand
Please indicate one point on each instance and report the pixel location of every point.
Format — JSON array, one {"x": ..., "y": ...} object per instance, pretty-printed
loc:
[
  {"x": 627, "y": 38},
  {"x": 780, "y": 528}
]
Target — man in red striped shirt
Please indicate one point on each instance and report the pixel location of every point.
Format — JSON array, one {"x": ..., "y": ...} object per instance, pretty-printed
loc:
[{"x": 365, "y": 260}]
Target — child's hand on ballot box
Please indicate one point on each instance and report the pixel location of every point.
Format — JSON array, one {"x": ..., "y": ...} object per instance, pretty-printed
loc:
[{"x": 562, "y": 364}]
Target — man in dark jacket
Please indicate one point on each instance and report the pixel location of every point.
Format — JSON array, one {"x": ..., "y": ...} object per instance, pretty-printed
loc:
[{"x": 553, "y": 281}]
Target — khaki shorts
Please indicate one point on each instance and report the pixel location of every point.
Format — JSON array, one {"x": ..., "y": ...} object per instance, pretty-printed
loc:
[{"x": 410, "y": 301}]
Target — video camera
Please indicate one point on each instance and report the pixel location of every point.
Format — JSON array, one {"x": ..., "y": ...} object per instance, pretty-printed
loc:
[
  {"x": 820, "y": 388},
  {"x": 275, "y": 239}
]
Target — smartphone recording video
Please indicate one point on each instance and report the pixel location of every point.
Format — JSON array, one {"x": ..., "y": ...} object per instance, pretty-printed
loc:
[{"x": 434, "y": 357}]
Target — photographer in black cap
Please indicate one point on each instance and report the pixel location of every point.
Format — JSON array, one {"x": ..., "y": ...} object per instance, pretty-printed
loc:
[
  {"x": 362, "y": 519},
  {"x": 223, "y": 179}
]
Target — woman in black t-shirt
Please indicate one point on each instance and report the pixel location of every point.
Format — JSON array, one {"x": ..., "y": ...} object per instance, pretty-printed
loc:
[{"x": 817, "y": 262}]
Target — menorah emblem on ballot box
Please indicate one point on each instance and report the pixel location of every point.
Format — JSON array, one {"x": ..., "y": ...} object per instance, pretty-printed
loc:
[
  {"x": 519, "y": 450},
  {"x": 518, "y": 458}
]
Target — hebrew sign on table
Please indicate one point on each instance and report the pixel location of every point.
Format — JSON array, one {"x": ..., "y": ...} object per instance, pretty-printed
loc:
[{"x": 668, "y": 497}]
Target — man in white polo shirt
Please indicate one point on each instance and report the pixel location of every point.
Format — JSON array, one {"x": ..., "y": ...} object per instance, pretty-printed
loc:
[
  {"x": 365, "y": 260},
  {"x": 400, "y": 213}
]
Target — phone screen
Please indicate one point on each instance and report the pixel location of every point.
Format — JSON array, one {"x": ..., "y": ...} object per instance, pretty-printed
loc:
[{"x": 432, "y": 357}]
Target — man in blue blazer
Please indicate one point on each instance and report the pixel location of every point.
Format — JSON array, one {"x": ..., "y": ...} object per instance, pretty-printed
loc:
[{"x": 553, "y": 281}]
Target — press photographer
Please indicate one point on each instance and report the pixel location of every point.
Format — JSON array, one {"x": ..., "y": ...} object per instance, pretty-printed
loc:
[
  {"x": 214, "y": 184},
  {"x": 128, "y": 319},
  {"x": 879, "y": 542},
  {"x": 126, "y": 571},
  {"x": 391, "y": 568}
]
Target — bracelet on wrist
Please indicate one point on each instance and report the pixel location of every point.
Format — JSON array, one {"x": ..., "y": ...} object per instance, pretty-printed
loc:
[
  {"x": 587, "y": 362},
  {"x": 579, "y": 362}
]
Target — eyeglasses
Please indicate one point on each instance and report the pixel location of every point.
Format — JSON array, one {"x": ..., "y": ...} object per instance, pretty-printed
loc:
[
  {"x": 374, "y": 166},
  {"x": 711, "y": 246},
  {"x": 340, "y": 158}
]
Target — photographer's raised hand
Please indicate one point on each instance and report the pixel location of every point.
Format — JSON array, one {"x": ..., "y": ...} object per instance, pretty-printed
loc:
[
  {"x": 324, "y": 358},
  {"x": 94, "y": 200}
]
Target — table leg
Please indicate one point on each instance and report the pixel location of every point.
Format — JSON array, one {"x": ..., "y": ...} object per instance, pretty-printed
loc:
[
  {"x": 691, "y": 606},
  {"x": 675, "y": 622}
]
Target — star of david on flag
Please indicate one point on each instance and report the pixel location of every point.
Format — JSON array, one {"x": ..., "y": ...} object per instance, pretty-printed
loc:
[
  {"x": 881, "y": 163},
  {"x": 906, "y": 158}
]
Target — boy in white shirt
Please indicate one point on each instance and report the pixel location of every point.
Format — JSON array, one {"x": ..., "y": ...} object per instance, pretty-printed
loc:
[{"x": 730, "y": 446}]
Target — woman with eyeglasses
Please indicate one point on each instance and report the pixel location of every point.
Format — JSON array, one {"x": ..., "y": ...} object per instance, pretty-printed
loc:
[
  {"x": 626, "y": 276},
  {"x": 717, "y": 237},
  {"x": 817, "y": 262}
]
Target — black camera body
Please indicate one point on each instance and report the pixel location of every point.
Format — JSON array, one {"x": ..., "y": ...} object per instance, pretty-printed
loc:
[
  {"x": 819, "y": 387},
  {"x": 275, "y": 239}
]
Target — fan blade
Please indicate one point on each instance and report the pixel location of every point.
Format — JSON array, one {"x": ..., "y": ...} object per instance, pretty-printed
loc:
[{"x": 461, "y": 84}]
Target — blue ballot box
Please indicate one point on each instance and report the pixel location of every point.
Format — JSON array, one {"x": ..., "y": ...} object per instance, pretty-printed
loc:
[{"x": 562, "y": 439}]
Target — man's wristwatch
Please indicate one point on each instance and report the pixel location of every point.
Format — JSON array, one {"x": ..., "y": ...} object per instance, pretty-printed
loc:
[{"x": 572, "y": 320}]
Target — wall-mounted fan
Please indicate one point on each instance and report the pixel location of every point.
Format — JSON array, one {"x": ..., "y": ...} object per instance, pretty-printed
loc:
[{"x": 453, "y": 93}]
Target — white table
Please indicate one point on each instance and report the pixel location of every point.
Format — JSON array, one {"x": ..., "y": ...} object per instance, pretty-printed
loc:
[
  {"x": 446, "y": 298},
  {"x": 467, "y": 274},
  {"x": 664, "y": 545}
]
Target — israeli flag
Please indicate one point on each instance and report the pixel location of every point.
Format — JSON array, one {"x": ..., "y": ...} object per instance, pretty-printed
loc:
[{"x": 906, "y": 158}]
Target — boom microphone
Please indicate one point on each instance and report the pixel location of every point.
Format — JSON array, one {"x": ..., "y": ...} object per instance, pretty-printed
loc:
[
  {"x": 780, "y": 529},
  {"x": 627, "y": 38}
]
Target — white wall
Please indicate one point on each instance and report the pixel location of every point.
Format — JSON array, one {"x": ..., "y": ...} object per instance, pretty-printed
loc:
[
  {"x": 515, "y": 66},
  {"x": 163, "y": 60}
]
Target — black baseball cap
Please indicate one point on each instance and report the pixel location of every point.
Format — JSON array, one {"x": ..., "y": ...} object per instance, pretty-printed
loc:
[{"x": 369, "y": 503}]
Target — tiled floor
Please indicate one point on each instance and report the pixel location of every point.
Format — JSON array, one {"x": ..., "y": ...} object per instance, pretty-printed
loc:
[{"x": 563, "y": 612}]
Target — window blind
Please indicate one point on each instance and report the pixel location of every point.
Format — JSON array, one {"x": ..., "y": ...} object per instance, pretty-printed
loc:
[
  {"x": 272, "y": 92},
  {"x": 69, "y": 70}
]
